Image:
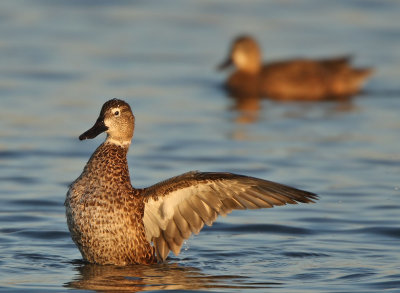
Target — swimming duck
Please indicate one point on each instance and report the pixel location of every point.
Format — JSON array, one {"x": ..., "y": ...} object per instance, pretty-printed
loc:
[
  {"x": 112, "y": 222},
  {"x": 297, "y": 79}
]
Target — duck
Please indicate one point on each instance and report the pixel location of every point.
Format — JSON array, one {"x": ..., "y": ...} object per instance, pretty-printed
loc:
[
  {"x": 290, "y": 80},
  {"x": 113, "y": 223}
]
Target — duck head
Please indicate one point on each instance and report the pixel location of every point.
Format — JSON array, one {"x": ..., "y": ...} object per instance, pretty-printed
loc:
[
  {"x": 245, "y": 54},
  {"x": 117, "y": 120}
]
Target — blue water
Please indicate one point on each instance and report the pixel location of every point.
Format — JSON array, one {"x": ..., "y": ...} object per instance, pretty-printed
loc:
[{"x": 60, "y": 60}]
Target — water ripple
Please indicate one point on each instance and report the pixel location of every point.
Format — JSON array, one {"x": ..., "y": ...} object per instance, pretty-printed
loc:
[
  {"x": 21, "y": 180},
  {"x": 259, "y": 228},
  {"x": 376, "y": 230},
  {"x": 356, "y": 276},
  {"x": 305, "y": 254},
  {"x": 35, "y": 202},
  {"x": 385, "y": 285},
  {"x": 40, "y": 234},
  {"x": 20, "y": 154},
  {"x": 45, "y": 75}
]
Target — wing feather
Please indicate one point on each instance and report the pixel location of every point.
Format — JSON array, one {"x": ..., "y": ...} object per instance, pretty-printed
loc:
[
  {"x": 161, "y": 246},
  {"x": 255, "y": 201},
  {"x": 181, "y": 224},
  {"x": 205, "y": 212},
  {"x": 198, "y": 206},
  {"x": 212, "y": 202},
  {"x": 266, "y": 201},
  {"x": 229, "y": 205},
  {"x": 193, "y": 219},
  {"x": 180, "y": 206}
]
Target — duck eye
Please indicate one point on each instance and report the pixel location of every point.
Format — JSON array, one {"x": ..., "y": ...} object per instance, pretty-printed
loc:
[{"x": 116, "y": 113}]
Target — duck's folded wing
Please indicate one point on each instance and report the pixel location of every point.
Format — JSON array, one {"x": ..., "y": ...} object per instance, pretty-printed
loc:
[
  {"x": 180, "y": 206},
  {"x": 337, "y": 61}
]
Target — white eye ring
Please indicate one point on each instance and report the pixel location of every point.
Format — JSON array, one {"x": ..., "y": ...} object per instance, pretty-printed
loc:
[{"x": 117, "y": 112}]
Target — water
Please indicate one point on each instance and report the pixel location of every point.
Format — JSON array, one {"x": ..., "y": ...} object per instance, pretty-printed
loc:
[{"x": 62, "y": 59}]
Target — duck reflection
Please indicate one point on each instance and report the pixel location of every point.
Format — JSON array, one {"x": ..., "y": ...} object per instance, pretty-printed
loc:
[
  {"x": 135, "y": 278},
  {"x": 248, "y": 108}
]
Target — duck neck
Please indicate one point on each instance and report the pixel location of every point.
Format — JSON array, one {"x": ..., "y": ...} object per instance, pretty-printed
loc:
[
  {"x": 253, "y": 66},
  {"x": 109, "y": 163},
  {"x": 119, "y": 141}
]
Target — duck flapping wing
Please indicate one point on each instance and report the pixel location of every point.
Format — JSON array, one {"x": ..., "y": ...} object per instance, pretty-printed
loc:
[{"x": 179, "y": 206}]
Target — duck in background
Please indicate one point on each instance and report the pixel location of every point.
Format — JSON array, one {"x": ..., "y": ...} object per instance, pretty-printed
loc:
[{"x": 296, "y": 79}]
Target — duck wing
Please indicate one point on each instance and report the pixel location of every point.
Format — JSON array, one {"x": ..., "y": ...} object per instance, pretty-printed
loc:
[{"x": 179, "y": 206}]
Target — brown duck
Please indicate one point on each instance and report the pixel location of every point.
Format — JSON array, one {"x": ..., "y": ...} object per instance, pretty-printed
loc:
[
  {"x": 297, "y": 79},
  {"x": 112, "y": 222}
]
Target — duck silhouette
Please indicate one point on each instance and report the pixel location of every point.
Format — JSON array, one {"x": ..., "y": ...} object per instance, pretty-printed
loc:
[
  {"x": 296, "y": 79},
  {"x": 112, "y": 222}
]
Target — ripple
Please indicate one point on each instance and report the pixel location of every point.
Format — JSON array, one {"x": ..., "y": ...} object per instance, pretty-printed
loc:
[
  {"x": 18, "y": 218},
  {"x": 301, "y": 254},
  {"x": 32, "y": 256},
  {"x": 39, "y": 234},
  {"x": 159, "y": 277},
  {"x": 89, "y": 3},
  {"x": 224, "y": 255},
  {"x": 386, "y": 207},
  {"x": 50, "y": 259},
  {"x": 385, "y": 285},
  {"x": 46, "y": 75},
  {"x": 4, "y": 240},
  {"x": 11, "y": 154},
  {"x": 383, "y": 231},
  {"x": 35, "y": 202},
  {"x": 307, "y": 276},
  {"x": 259, "y": 228},
  {"x": 356, "y": 276},
  {"x": 383, "y": 162}
]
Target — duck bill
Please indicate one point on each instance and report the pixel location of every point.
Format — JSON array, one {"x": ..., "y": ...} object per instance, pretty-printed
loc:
[
  {"x": 226, "y": 64},
  {"x": 97, "y": 128}
]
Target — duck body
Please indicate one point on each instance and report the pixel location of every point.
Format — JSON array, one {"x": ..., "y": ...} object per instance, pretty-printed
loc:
[
  {"x": 104, "y": 211},
  {"x": 296, "y": 79},
  {"x": 111, "y": 222}
]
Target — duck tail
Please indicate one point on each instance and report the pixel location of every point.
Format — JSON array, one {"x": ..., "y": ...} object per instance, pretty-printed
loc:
[{"x": 361, "y": 74}]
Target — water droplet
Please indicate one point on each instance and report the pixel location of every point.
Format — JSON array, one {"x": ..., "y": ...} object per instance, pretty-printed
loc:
[{"x": 185, "y": 245}]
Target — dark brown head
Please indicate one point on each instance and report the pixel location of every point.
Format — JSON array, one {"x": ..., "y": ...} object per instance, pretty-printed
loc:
[
  {"x": 117, "y": 120},
  {"x": 245, "y": 54}
]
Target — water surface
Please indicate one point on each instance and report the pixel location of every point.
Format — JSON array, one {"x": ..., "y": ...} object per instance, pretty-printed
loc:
[{"x": 62, "y": 59}]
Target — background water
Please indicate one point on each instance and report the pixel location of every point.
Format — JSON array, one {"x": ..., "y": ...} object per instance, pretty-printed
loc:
[{"x": 60, "y": 60}]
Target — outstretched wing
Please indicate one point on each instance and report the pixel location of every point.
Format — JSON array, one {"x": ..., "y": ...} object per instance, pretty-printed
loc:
[{"x": 179, "y": 206}]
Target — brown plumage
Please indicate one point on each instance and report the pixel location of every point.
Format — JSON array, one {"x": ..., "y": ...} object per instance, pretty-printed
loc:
[
  {"x": 113, "y": 223},
  {"x": 297, "y": 79}
]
